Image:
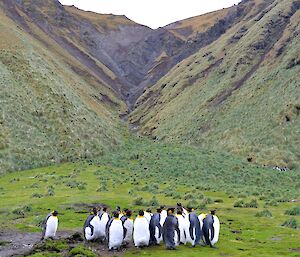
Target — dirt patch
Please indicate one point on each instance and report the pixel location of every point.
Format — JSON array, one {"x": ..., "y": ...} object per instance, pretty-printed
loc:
[
  {"x": 84, "y": 207},
  {"x": 19, "y": 243},
  {"x": 14, "y": 243},
  {"x": 275, "y": 239},
  {"x": 102, "y": 250},
  {"x": 295, "y": 250}
]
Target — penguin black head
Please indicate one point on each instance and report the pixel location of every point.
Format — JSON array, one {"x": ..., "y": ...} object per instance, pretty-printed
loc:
[
  {"x": 149, "y": 210},
  {"x": 128, "y": 213},
  {"x": 125, "y": 210},
  {"x": 179, "y": 212},
  {"x": 141, "y": 213},
  {"x": 94, "y": 211},
  {"x": 179, "y": 204},
  {"x": 115, "y": 214},
  {"x": 104, "y": 209},
  {"x": 118, "y": 208},
  {"x": 162, "y": 207},
  {"x": 54, "y": 213},
  {"x": 213, "y": 212},
  {"x": 190, "y": 209},
  {"x": 159, "y": 210}
]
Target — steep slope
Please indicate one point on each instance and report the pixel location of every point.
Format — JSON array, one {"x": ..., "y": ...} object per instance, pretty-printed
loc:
[
  {"x": 53, "y": 109},
  {"x": 239, "y": 94},
  {"x": 137, "y": 55},
  {"x": 189, "y": 28},
  {"x": 200, "y": 31}
]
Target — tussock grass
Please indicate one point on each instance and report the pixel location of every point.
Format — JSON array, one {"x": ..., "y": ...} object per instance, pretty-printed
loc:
[
  {"x": 259, "y": 120},
  {"x": 157, "y": 170}
]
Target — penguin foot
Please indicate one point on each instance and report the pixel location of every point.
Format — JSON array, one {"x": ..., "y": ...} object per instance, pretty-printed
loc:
[
  {"x": 213, "y": 247},
  {"x": 202, "y": 244}
]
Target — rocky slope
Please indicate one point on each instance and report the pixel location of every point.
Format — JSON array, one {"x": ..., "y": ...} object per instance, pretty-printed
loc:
[
  {"x": 238, "y": 94},
  {"x": 137, "y": 55},
  {"x": 213, "y": 80}
]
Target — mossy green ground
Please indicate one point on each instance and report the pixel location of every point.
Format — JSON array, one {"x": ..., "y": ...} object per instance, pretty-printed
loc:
[{"x": 150, "y": 173}]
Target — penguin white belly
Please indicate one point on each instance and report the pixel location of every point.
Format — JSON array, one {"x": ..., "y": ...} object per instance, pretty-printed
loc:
[
  {"x": 157, "y": 237},
  {"x": 147, "y": 215},
  {"x": 95, "y": 222},
  {"x": 88, "y": 234},
  {"x": 102, "y": 225},
  {"x": 176, "y": 239},
  {"x": 216, "y": 226},
  {"x": 183, "y": 225},
  {"x": 201, "y": 217},
  {"x": 51, "y": 227},
  {"x": 115, "y": 234},
  {"x": 189, "y": 238},
  {"x": 128, "y": 224},
  {"x": 141, "y": 233},
  {"x": 187, "y": 232},
  {"x": 163, "y": 217}
]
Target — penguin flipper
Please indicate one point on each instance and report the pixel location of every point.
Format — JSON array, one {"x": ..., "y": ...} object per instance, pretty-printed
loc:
[
  {"x": 191, "y": 232},
  {"x": 212, "y": 233},
  {"x": 44, "y": 225},
  {"x": 124, "y": 232},
  {"x": 107, "y": 229},
  {"x": 177, "y": 229},
  {"x": 159, "y": 230},
  {"x": 206, "y": 236}
]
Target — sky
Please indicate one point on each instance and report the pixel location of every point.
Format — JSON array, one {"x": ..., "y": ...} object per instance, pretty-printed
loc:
[{"x": 154, "y": 13}]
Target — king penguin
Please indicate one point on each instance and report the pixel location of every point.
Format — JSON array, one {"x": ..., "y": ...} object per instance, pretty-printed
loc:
[
  {"x": 104, "y": 218},
  {"x": 194, "y": 234},
  {"x": 50, "y": 225},
  {"x": 141, "y": 233},
  {"x": 155, "y": 228},
  {"x": 211, "y": 228},
  {"x": 91, "y": 228},
  {"x": 170, "y": 228},
  {"x": 115, "y": 232}
]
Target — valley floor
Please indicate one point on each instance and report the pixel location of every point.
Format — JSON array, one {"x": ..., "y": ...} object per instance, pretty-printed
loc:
[{"x": 147, "y": 174}]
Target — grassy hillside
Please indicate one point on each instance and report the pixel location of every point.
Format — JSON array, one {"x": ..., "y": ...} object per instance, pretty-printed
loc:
[
  {"x": 103, "y": 22},
  {"x": 189, "y": 28},
  {"x": 147, "y": 174},
  {"x": 194, "y": 28},
  {"x": 239, "y": 94},
  {"x": 53, "y": 109}
]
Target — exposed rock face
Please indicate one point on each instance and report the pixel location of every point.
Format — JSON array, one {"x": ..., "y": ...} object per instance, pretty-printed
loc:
[{"x": 137, "y": 55}]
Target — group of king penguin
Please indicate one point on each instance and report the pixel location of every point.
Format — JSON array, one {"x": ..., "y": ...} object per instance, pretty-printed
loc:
[{"x": 120, "y": 230}]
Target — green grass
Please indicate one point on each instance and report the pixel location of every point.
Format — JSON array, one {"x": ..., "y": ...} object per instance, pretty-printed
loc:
[
  {"x": 260, "y": 120},
  {"x": 49, "y": 113},
  {"x": 163, "y": 174}
]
